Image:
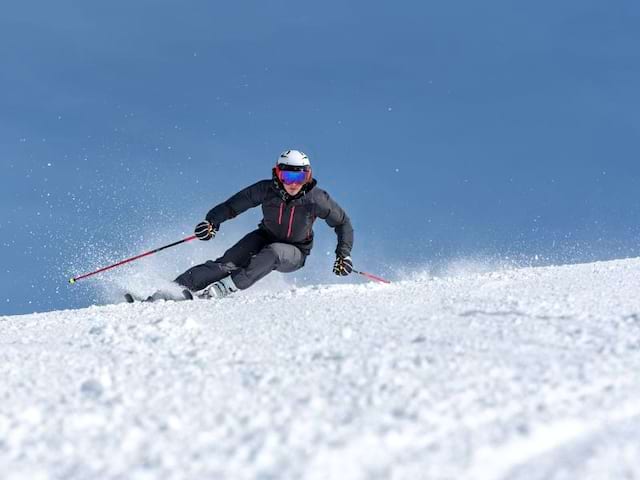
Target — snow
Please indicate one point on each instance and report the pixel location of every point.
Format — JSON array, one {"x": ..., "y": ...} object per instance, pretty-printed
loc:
[{"x": 512, "y": 374}]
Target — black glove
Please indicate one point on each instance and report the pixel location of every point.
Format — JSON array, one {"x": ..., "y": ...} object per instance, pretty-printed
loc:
[
  {"x": 205, "y": 230},
  {"x": 343, "y": 266}
]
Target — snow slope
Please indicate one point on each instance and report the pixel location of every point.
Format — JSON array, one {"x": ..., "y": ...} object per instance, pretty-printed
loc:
[{"x": 519, "y": 374}]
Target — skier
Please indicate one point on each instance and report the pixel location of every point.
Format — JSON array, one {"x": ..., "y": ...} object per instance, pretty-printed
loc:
[{"x": 290, "y": 202}]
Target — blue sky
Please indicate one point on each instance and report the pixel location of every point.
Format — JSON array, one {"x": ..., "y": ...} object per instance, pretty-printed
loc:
[{"x": 446, "y": 129}]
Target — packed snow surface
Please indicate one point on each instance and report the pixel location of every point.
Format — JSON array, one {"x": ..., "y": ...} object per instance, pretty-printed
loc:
[{"x": 516, "y": 374}]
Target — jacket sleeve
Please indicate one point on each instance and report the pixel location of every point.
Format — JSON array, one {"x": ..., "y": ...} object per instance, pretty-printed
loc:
[
  {"x": 335, "y": 216},
  {"x": 250, "y": 197}
]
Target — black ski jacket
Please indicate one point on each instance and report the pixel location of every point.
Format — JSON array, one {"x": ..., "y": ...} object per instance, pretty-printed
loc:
[{"x": 288, "y": 219}]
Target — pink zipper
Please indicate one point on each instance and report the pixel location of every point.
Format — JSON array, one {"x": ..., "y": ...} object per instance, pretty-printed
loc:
[{"x": 293, "y": 211}]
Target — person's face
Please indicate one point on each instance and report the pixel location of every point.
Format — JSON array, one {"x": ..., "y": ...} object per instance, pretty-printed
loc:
[{"x": 293, "y": 188}]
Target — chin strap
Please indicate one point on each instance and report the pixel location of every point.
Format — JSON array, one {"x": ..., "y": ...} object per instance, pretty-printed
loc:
[{"x": 279, "y": 187}]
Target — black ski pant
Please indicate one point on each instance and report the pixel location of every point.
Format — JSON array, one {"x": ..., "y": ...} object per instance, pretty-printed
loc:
[{"x": 253, "y": 257}]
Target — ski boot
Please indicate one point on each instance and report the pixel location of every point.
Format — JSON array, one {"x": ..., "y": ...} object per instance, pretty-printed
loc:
[{"x": 219, "y": 289}]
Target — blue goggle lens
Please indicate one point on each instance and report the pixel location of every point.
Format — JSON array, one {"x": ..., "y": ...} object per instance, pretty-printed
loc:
[{"x": 288, "y": 177}]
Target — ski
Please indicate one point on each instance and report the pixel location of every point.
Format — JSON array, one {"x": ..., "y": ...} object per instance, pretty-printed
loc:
[{"x": 186, "y": 295}]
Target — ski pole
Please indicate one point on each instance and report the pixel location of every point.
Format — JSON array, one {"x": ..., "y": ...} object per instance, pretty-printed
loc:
[
  {"x": 372, "y": 277},
  {"x": 188, "y": 239}
]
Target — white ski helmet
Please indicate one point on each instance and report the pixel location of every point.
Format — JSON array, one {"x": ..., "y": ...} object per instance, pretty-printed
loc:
[
  {"x": 294, "y": 158},
  {"x": 293, "y": 166}
]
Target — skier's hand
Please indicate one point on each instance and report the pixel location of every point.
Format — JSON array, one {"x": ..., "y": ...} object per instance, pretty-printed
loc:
[
  {"x": 343, "y": 266},
  {"x": 205, "y": 230}
]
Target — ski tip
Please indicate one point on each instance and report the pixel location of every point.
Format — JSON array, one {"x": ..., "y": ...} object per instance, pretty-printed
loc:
[{"x": 72, "y": 280}]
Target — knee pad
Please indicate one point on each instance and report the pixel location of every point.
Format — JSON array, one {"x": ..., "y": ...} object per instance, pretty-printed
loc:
[{"x": 274, "y": 251}]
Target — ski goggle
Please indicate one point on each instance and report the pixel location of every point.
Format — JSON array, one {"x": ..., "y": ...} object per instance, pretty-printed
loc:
[{"x": 290, "y": 177}]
